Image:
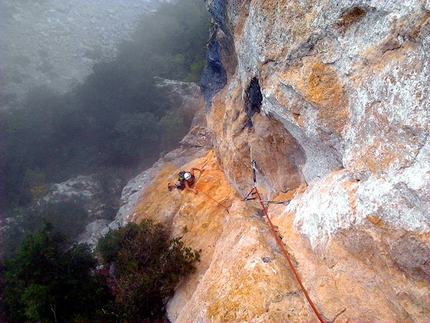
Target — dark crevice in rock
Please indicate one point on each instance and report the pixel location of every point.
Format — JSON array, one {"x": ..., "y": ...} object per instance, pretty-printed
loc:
[
  {"x": 349, "y": 18},
  {"x": 305, "y": 49},
  {"x": 253, "y": 101},
  {"x": 214, "y": 75},
  {"x": 218, "y": 10},
  {"x": 221, "y": 58}
]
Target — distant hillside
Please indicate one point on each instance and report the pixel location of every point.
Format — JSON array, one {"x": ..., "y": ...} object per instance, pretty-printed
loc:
[{"x": 57, "y": 42}]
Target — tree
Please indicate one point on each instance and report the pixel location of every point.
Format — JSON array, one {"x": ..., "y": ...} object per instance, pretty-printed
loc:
[
  {"x": 143, "y": 267},
  {"x": 173, "y": 39},
  {"x": 50, "y": 281},
  {"x": 138, "y": 137},
  {"x": 68, "y": 217}
]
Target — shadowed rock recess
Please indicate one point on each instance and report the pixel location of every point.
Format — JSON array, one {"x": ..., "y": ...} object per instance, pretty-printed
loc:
[{"x": 330, "y": 98}]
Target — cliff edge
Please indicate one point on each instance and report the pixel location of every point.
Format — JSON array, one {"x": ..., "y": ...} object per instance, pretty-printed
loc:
[{"x": 330, "y": 99}]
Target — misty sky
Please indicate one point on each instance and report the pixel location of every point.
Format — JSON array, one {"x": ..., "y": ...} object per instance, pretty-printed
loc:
[{"x": 55, "y": 42}]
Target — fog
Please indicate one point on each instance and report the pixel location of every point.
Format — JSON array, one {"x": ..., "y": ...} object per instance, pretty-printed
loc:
[
  {"x": 86, "y": 104},
  {"x": 83, "y": 98},
  {"x": 56, "y": 42}
]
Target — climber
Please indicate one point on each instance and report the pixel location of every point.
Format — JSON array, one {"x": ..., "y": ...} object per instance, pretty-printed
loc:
[{"x": 186, "y": 180}]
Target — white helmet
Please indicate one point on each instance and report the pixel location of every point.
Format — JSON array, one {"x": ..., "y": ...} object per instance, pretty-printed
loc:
[{"x": 187, "y": 176}]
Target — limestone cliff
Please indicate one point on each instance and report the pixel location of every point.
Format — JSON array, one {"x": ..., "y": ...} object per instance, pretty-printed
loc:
[{"x": 329, "y": 97}]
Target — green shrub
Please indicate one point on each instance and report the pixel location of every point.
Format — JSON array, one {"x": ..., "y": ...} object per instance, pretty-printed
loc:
[
  {"x": 50, "y": 281},
  {"x": 143, "y": 267}
]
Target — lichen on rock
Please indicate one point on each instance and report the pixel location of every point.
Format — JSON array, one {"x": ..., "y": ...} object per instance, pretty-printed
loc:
[{"x": 330, "y": 98}]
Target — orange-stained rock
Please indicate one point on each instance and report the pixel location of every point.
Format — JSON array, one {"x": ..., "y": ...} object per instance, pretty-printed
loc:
[
  {"x": 320, "y": 85},
  {"x": 266, "y": 141},
  {"x": 330, "y": 99},
  {"x": 166, "y": 206},
  {"x": 243, "y": 276}
]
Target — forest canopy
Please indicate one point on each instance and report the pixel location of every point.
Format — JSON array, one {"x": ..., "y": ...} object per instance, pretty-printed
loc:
[{"x": 118, "y": 117}]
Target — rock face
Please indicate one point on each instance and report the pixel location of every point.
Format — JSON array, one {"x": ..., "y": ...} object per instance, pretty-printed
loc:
[
  {"x": 194, "y": 145},
  {"x": 329, "y": 97}
]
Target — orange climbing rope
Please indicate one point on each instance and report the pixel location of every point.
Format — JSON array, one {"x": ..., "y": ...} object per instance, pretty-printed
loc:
[
  {"x": 222, "y": 205},
  {"x": 225, "y": 207},
  {"x": 281, "y": 245}
]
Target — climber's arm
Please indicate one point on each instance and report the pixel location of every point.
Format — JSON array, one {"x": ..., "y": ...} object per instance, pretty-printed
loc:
[
  {"x": 194, "y": 168},
  {"x": 187, "y": 186}
]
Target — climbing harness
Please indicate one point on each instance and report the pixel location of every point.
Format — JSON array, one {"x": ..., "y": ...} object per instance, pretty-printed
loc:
[{"x": 254, "y": 191}]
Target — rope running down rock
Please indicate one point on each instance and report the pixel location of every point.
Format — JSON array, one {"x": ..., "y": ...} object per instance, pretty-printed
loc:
[{"x": 254, "y": 190}]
